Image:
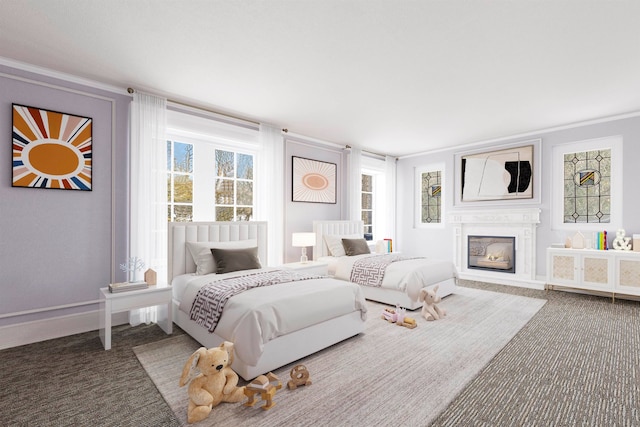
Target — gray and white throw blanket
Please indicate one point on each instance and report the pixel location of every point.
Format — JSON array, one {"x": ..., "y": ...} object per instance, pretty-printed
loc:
[
  {"x": 369, "y": 271},
  {"x": 211, "y": 298}
]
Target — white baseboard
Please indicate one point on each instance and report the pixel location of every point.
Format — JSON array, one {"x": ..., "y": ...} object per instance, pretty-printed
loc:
[
  {"x": 54, "y": 327},
  {"x": 521, "y": 283}
]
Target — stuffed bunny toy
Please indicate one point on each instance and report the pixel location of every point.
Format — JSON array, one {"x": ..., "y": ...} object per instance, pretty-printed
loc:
[{"x": 430, "y": 310}]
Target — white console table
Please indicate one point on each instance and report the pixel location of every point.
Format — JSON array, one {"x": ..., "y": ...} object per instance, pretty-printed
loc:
[
  {"x": 110, "y": 303},
  {"x": 610, "y": 271}
]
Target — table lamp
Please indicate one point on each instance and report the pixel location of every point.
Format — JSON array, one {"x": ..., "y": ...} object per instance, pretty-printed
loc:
[{"x": 303, "y": 240}]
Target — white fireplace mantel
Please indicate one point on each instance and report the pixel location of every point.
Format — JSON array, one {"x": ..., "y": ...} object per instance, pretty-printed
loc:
[{"x": 519, "y": 223}]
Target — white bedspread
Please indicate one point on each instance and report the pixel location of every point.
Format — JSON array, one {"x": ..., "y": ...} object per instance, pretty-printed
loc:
[
  {"x": 255, "y": 317},
  {"x": 408, "y": 276}
]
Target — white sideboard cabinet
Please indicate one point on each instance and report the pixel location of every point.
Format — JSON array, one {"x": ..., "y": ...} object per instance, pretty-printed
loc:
[{"x": 611, "y": 271}]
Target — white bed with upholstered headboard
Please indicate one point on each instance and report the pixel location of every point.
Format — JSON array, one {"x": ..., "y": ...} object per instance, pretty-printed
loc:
[
  {"x": 390, "y": 279},
  {"x": 271, "y": 325}
]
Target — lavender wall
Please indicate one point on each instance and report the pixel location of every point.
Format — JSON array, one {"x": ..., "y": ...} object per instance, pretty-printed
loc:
[
  {"x": 58, "y": 247},
  {"x": 299, "y": 216},
  {"x": 439, "y": 242}
]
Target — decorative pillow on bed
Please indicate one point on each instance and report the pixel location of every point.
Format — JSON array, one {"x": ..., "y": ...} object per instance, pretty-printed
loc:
[
  {"x": 334, "y": 243},
  {"x": 355, "y": 247},
  {"x": 202, "y": 256},
  {"x": 228, "y": 260}
]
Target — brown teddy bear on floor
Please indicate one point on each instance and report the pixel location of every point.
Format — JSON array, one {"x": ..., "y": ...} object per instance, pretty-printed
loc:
[
  {"x": 430, "y": 310},
  {"x": 215, "y": 383}
]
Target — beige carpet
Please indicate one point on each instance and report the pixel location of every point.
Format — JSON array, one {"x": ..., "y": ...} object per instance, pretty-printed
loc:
[{"x": 389, "y": 374}]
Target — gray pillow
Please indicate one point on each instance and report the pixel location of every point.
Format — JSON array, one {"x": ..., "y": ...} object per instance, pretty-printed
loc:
[
  {"x": 355, "y": 247},
  {"x": 228, "y": 260}
]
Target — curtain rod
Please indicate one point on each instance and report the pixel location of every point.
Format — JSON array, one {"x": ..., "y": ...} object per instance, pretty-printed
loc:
[
  {"x": 184, "y": 104},
  {"x": 348, "y": 147}
]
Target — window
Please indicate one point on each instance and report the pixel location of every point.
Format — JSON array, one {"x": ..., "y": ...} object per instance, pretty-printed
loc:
[
  {"x": 429, "y": 186},
  {"x": 587, "y": 186},
  {"x": 210, "y": 169},
  {"x": 180, "y": 181},
  {"x": 234, "y": 186},
  {"x": 367, "y": 205},
  {"x": 587, "y": 177},
  {"x": 373, "y": 199}
]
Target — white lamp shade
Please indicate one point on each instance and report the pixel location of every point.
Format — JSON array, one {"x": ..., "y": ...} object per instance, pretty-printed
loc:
[{"x": 303, "y": 239}]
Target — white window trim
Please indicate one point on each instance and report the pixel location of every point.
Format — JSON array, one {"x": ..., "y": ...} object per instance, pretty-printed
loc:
[
  {"x": 418, "y": 195},
  {"x": 376, "y": 168},
  {"x": 557, "y": 203},
  {"x": 206, "y": 135}
]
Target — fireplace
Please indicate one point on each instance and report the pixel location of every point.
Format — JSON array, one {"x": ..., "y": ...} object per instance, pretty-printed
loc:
[
  {"x": 518, "y": 225},
  {"x": 494, "y": 253}
]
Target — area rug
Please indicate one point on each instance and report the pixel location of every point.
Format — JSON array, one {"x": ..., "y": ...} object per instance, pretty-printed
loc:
[{"x": 388, "y": 374}]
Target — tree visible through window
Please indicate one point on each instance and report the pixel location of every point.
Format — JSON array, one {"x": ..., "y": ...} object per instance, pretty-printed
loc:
[
  {"x": 367, "y": 205},
  {"x": 234, "y": 186},
  {"x": 224, "y": 189},
  {"x": 180, "y": 181}
]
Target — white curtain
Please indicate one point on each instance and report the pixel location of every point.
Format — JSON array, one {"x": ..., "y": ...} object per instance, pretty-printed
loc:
[
  {"x": 270, "y": 191},
  {"x": 390, "y": 197},
  {"x": 148, "y": 171},
  {"x": 355, "y": 184}
]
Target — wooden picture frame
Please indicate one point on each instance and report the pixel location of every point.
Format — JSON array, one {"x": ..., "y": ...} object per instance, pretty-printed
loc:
[
  {"x": 313, "y": 181},
  {"x": 51, "y": 149}
]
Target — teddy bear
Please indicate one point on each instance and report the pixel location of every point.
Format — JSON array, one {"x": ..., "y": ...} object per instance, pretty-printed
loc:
[
  {"x": 430, "y": 310},
  {"x": 216, "y": 382}
]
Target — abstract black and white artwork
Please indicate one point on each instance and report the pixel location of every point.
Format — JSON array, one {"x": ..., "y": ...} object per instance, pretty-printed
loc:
[{"x": 497, "y": 175}]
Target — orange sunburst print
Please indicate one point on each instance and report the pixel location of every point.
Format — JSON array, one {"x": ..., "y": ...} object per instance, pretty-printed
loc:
[{"x": 51, "y": 149}]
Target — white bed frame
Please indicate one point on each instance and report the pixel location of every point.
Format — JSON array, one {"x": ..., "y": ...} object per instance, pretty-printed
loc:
[
  {"x": 278, "y": 352},
  {"x": 383, "y": 295}
]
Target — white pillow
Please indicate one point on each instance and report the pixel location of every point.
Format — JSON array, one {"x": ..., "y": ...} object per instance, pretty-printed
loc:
[
  {"x": 334, "y": 243},
  {"x": 202, "y": 256}
]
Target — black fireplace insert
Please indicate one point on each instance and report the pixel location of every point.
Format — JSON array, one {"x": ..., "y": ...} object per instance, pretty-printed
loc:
[{"x": 494, "y": 253}]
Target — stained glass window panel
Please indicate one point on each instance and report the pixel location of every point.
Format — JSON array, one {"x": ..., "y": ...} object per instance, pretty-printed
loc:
[
  {"x": 587, "y": 187},
  {"x": 431, "y": 191}
]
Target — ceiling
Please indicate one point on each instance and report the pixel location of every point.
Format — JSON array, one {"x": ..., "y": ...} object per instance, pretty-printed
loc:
[{"x": 390, "y": 76}]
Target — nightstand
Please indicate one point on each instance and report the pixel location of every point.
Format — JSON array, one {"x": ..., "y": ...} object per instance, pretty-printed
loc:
[
  {"x": 311, "y": 267},
  {"x": 111, "y": 303}
]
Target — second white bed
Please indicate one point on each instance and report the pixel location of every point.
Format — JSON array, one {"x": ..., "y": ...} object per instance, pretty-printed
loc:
[{"x": 402, "y": 280}]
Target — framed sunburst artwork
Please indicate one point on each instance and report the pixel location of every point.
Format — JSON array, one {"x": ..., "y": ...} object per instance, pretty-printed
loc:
[
  {"x": 313, "y": 181},
  {"x": 51, "y": 149}
]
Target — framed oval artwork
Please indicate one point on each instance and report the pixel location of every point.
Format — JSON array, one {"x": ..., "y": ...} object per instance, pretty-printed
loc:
[
  {"x": 51, "y": 149},
  {"x": 313, "y": 181}
]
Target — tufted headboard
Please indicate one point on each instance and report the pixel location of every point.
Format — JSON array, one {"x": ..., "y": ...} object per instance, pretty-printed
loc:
[{"x": 180, "y": 260}]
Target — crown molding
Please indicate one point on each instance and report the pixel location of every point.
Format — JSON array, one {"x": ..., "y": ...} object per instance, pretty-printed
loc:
[
  {"x": 62, "y": 76},
  {"x": 536, "y": 133}
]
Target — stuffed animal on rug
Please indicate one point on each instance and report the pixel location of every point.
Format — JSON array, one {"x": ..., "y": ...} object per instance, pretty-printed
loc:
[
  {"x": 216, "y": 382},
  {"x": 430, "y": 309}
]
